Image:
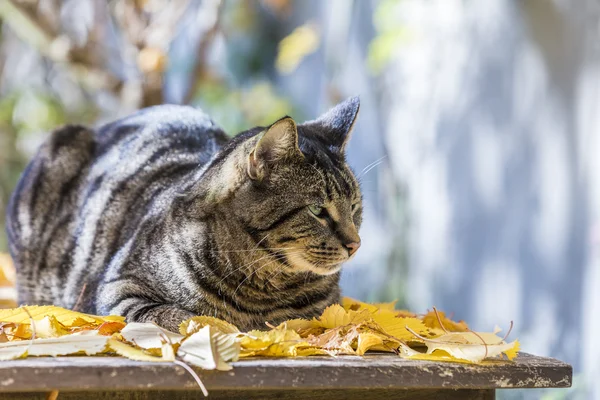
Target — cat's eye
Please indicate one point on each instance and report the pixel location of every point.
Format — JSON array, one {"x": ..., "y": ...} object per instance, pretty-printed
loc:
[
  {"x": 354, "y": 207},
  {"x": 316, "y": 210}
]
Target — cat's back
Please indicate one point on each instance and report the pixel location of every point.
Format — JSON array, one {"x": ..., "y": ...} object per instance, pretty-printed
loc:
[{"x": 86, "y": 193}]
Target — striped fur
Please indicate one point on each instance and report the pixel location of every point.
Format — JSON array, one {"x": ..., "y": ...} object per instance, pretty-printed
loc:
[{"x": 160, "y": 217}]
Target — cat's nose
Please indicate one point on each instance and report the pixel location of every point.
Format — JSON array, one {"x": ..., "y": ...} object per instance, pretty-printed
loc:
[{"x": 352, "y": 247}]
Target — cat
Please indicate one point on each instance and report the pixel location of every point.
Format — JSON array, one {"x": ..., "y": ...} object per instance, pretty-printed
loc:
[{"x": 161, "y": 217}]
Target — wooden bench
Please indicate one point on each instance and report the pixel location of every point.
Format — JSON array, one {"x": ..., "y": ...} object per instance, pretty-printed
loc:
[{"x": 377, "y": 376}]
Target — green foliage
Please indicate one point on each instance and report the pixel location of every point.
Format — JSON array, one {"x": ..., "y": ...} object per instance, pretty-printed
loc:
[
  {"x": 239, "y": 109},
  {"x": 391, "y": 35}
]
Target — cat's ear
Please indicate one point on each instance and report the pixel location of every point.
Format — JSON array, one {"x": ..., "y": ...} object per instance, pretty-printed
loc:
[
  {"x": 334, "y": 127},
  {"x": 278, "y": 143}
]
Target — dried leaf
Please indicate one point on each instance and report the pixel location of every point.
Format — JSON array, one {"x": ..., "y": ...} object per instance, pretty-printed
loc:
[
  {"x": 352, "y": 304},
  {"x": 210, "y": 348},
  {"x": 513, "y": 351},
  {"x": 85, "y": 343},
  {"x": 62, "y": 315},
  {"x": 110, "y": 327},
  {"x": 470, "y": 346},
  {"x": 355, "y": 305},
  {"x": 194, "y": 324},
  {"x": 368, "y": 340},
  {"x": 278, "y": 342},
  {"x": 396, "y": 327},
  {"x": 137, "y": 354},
  {"x": 432, "y": 320},
  {"x": 335, "y": 316},
  {"x": 147, "y": 335},
  {"x": 49, "y": 327}
]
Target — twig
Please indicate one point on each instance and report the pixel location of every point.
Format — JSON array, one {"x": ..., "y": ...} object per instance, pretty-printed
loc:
[
  {"x": 483, "y": 341},
  {"x": 182, "y": 364},
  {"x": 439, "y": 319},
  {"x": 194, "y": 375},
  {"x": 509, "y": 331}
]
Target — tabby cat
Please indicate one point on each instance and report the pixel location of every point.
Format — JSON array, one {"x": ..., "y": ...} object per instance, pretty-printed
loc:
[{"x": 160, "y": 216}]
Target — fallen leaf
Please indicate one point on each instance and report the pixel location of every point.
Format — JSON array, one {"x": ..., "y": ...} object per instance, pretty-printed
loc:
[
  {"x": 110, "y": 327},
  {"x": 148, "y": 335},
  {"x": 194, "y": 324},
  {"x": 513, "y": 351},
  {"x": 351, "y": 304},
  {"x": 367, "y": 341},
  {"x": 138, "y": 354},
  {"x": 432, "y": 320},
  {"x": 62, "y": 315},
  {"x": 470, "y": 346},
  {"x": 49, "y": 327},
  {"x": 335, "y": 316},
  {"x": 278, "y": 342},
  {"x": 85, "y": 343},
  {"x": 210, "y": 348}
]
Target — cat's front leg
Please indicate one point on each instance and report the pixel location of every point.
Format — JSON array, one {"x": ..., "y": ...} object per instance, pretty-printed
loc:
[
  {"x": 126, "y": 297},
  {"x": 167, "y": 316}
]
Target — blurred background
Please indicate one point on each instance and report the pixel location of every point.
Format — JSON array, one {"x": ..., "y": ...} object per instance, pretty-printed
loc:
[{"x": 477, "y": 142}]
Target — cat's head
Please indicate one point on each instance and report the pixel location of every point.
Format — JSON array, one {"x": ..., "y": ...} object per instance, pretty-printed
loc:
[{"x": 294, "y": 192}]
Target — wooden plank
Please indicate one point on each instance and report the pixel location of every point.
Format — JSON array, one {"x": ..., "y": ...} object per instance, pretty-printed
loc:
[
  {"x": 337, "y": 394},
  {"x": 381, "y": 371}
]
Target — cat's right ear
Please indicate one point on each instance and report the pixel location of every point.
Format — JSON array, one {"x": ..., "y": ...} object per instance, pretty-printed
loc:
[{"x": 278, "y": 143}]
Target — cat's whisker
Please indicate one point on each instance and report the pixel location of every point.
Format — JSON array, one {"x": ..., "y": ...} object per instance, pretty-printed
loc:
[
  {"x": 243, "y": 266},
  {"x": 248, "y": 277},
  {"x": 276, "y": 259},
  {"x": 371, "y": 166},
  {"x": 247, "y": 265},
  {"x": 254, "y": 250}
]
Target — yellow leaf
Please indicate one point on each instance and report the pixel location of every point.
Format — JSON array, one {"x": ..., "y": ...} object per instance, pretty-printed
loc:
[
  {"x": 194, "y": 324},
  {"x": 335, "y": 316},
  {"x": 137, "y": 354},
  {"x": 431, "y": 320},
  {"x": 110, "y": 327},
  {"x": 470, "y": 346},
  {"x": 278, "y": 342},
  {"x": 513, "y": 351},
  {"x": 256, "y": 340},
  {"x": 438, "y": 355},
  {"x": 49, "y": 327},
  {"x": 82, "y": 323},
  {"x": 366, "y": 341},
  {"x": 62, "y": 315},
  {"x": 304, "y": 351},
  {"x": 396, "y": 327},
  {"x": 351, "y": 304},
  {"x": 336, "y": 340}
]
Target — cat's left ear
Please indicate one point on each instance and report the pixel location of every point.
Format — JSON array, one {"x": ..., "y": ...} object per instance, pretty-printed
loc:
[
  {"x": 278, "y": 143},
  {"x": 334, "y": 127}
]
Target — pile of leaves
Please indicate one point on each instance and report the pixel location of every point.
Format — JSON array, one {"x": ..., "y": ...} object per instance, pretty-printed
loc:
[{"x": 350, "y": 328}]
